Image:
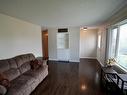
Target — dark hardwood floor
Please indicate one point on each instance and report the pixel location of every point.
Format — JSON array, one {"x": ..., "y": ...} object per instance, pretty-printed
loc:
[{"x": 71, "y": 79}]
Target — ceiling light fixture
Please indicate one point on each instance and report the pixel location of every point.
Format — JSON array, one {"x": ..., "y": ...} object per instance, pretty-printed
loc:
[{"x": 84, "y": 28}]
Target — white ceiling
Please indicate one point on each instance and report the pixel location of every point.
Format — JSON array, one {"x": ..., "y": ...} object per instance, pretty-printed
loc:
[{"x": 61, "y": 13}]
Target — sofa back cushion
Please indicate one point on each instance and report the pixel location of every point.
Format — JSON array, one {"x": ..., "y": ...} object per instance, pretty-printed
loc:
[
  {"x": 21, "y": 59},
  {"x": 4, "y": 65},
  {"x": 9, "y": 68},
  {"x": 24, "y": 67},
  {"x": 32, "y": 57},
  {"x": 12, "y": 63},
  {"x": 11, "y": 73}
]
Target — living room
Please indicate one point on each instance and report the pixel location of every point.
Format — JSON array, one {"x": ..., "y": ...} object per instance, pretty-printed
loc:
[{"x": 88, "y": 44}]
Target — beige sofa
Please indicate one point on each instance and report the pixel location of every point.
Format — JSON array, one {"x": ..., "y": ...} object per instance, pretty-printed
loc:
[{"x": 23, "y": 80}]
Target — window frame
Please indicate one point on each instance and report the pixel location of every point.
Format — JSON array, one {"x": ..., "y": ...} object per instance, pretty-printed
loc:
[{"x": 99, "y": 41}]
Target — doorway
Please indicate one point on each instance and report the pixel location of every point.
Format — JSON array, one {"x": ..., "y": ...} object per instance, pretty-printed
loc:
[{"x": 45, "y": 44}]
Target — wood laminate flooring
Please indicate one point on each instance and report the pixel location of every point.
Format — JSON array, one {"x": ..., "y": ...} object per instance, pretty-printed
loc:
[{"x": 71, "y": 79}]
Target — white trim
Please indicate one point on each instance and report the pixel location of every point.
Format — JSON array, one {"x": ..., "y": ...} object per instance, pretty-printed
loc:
[
  {"x": 74, "y": 61},
  {"x": 89, "y": 57},
  {"x": 53, "y": 59},
  {"x": 64, "y": 60}
]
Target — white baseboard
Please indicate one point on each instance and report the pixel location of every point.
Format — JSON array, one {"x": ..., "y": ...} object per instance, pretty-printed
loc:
[
  {"x": 89, "y": 57},
  {"x": 53, "y": 59},
  {"x": 65, "y": 60},
  {"x": 74, "y": 60}
]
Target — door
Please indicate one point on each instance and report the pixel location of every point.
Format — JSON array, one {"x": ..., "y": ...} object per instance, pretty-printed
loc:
[{"x": 45, "y": 44}]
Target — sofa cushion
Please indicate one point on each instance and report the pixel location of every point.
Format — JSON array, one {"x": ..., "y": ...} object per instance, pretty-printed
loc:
[
  {"x": 12, "y": 63},
  {"x": 25, "y": 58},
  {"x": 4, "y": 65},
  {"x": 25, "y": 67},
  {"x": 18, "y": 61},
  {"x": 31, "y": 56},
  {"x": 36, "y": 73},
  {"x": 21, "y": 59},
  {"x": 32, "y": 74},
  {"x": 11, "y": 74},
  {"x": 22, "y": 83},
  {"x": 26, "y": 80}
]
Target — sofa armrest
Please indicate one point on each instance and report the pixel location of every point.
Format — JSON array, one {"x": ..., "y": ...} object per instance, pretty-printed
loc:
[
  {"x": 3, "y": 90},
  {"x": 41, "y": 60}
]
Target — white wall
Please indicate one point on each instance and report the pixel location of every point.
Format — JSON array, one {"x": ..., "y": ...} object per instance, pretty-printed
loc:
[
  {"x": 73, "y": 43},
  {"x": 74, "y": 37},
  {"x": 18, "y": 37},
  {"x": 88, "y": 43},
  {"x": 52, "y": 43}
]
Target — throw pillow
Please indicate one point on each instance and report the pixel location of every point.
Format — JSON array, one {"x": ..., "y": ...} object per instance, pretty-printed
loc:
[
  {"x": 4, "y": 81},
  {"x": 34, "y": 64},
  {"x": 40, "y": 62}
]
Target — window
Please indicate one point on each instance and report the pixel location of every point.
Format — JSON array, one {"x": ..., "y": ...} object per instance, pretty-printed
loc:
[
  {"x": 122, "y": 48},
  {"x": 118, "y": 44},
  {"x": 99, "y": 41}
]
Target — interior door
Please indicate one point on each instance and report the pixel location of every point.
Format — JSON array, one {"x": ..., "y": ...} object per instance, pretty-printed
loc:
[{"x": 45, "y": 44}]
